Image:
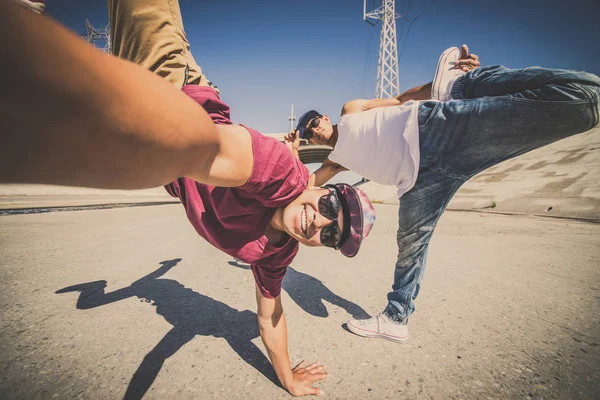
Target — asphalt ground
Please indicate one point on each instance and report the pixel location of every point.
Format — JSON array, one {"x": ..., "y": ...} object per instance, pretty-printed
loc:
[{"x": 125, "y": 302}]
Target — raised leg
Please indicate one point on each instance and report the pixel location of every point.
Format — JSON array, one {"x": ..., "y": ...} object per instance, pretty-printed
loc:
[
  {"x": 150, "y": 33},
  {"x": 461, "y": 138}
]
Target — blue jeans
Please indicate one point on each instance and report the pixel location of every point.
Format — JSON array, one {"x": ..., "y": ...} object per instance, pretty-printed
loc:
[{"x": 495, "y": 114}]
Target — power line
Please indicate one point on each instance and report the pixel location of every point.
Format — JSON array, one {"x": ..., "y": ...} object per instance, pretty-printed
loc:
[
  {"x": 410, "y": 25},
  {"x": 404, "y": 24},
  {"x": 403, "y": 43},
  {"x": 405, "y": 14},
  {"x": 422, "y": 12},
  {"x": 367, "y": 66}
]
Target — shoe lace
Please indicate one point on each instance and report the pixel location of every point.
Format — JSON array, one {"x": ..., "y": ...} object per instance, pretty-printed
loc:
[
  {"x": 363, "y": 322},
  {"x": 369, "y": 321}
]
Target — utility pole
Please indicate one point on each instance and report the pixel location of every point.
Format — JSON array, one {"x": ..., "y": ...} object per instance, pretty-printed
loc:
[
  {"x": 292, "y": 118},
  {"x": 388, "y": 84}
]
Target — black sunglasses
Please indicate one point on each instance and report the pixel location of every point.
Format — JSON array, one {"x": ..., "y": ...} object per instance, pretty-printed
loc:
[
  {"x": 329, "y": 207},
  {"x": 314, "y": 122}
]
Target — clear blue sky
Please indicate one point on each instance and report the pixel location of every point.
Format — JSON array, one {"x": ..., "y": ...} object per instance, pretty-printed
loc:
[{"x": 265, "y": 55}]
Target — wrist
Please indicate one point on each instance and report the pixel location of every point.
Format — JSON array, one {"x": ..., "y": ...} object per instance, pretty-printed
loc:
[
  {"x": 287, "y": 380},
  {"x": 289, "y": 386}
]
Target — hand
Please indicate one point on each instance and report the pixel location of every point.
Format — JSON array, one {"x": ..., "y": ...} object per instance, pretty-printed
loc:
[
  {"x": 467, "y": 62},
  {"x": 304, "y": 376},
  {"x": 292, "y": 140}
]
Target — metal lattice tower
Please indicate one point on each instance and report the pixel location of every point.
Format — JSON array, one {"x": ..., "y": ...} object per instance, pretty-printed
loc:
[
  {"x": 388, "y": 84},
  {"x": 98, "y": 37}
]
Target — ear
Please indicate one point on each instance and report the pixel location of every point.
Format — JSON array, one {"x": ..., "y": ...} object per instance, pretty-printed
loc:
[{"x": 326, "y": 117}]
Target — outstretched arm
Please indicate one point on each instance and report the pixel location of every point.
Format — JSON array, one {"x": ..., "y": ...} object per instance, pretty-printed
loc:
[
  {"x": 273, "y": 332},
  {"x": 73, "y": 115},
  {"x": 326, "y": 171}
]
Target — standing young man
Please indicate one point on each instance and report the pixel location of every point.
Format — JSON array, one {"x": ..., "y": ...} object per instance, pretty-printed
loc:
[{"x": 428, "y": 149}]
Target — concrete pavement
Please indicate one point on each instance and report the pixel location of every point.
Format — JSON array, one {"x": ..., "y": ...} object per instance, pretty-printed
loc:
[
  {"x": 111, "y": 303},
  {"x": 18, "y": 196}
]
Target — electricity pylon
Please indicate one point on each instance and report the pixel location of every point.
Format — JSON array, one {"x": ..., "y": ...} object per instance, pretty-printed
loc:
[
  {"x": 98, "y": 37},
  {"x": 388, "y": 84}
]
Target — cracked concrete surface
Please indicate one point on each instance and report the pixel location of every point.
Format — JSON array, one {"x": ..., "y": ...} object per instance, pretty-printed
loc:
[{"x": 127, "y": 302}]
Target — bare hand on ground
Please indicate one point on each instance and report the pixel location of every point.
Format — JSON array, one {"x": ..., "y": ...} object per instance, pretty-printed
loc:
[
  {"x": 467, "y": 62},
  {"x": 292, "y": 140},
  {"x": 305, "y": 377}
]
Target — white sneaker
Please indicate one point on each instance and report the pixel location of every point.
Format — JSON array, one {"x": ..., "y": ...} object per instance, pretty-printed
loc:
[
  {"x": 379, "y": 326},
  {"x": 38, "y": 6},
  {"x": 445, "y": 74}
]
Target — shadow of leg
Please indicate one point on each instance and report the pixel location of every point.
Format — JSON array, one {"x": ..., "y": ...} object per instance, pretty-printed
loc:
[
  {"x": 248, "y": 351},
  {"x": 91, "y": 294},
  {"x": 351, "y": 308},
  {"x": 309, "y": 293},
  {"x": 255, "y": 358},
  {"x": 146, "y": 373}
]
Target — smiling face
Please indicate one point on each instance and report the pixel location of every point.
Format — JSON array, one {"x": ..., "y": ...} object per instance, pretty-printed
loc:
[
  {"x": 302, "y": 220},
  {"x": 322, "y": 132}
]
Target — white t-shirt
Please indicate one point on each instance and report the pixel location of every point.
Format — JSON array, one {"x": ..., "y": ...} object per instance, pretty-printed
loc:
[{"x": 381, "y": 144}]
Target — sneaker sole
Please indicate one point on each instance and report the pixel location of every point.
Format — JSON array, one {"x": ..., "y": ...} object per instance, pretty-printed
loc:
[
  {"x": 372, "y": 334},
  {"x": 440, "y": 70}
]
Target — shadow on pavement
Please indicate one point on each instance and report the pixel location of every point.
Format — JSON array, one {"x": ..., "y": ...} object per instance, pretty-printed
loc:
[
  {"x": 309, "y": 292},
  {"x": 189, "y": 312}
]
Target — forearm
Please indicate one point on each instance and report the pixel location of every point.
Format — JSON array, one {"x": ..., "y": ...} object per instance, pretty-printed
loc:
[
  {"x": 312, "y": 180},
  {"x": 319, "y": 179},
  {"x": 273, "y": 332},
  {"x": 422, "y": 92},
  {"x": 76, "y": 116},
  {"x": 327, "y": 171}
]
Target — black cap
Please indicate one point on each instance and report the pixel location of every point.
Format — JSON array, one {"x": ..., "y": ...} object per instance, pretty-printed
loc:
[{"x": 307, "y": 116}]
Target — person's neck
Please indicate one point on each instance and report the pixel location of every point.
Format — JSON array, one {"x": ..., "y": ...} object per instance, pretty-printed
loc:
[
  {"x": 275, "y": 232},
  {"x": 334, "y": 137}
]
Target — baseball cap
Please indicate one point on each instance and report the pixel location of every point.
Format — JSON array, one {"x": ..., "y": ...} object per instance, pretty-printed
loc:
[
  {"x": 359, "y": 217},
  {"x": 307, "y": 116}
]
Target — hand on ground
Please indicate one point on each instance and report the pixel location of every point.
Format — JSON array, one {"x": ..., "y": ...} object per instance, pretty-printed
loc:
[
  {"x": 467, "y": 62},
  {"x": 305, "y": 377}
]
